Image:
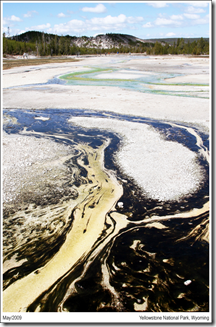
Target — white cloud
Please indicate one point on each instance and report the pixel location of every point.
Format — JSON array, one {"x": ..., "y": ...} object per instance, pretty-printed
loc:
[
  {"x": 97, "y": 24},
  {"x": 112, "y": 22},
  {"x": 108, "y": 20},
  {"x": 202, "y": 4},
  {"x": 159, "y": 4},
  {"x": 74, "y": 26},
  {"x": 192, "y": 10},
  {"x": 173, "y": 20},
  {"x": 13, "y": 18},
  {"x": 177, "y": 17},
  {"x": 134, "y": 20},
  {"x": 201, "y": 21},
  {"x": 30, "y": 14},
  {"x": 10, "y": 21},
  {"x": 61, "y": 15},
  {"x": 147, "y": 25},
  {"x": 170, "y": 34},
  {"x": 41, "y": 27},
  {"x": 13, "y": 31},
  {"x": 100, "y": 8},
  {"x": 191, "y": 16},
  {"x": 165, "y": 21}
]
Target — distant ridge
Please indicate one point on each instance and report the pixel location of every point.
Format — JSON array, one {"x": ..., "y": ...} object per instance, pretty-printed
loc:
[
  {"x": 171, "y": 41},
  {"x": 51, "y": 44},
  {"x": 104, "y": 41}
]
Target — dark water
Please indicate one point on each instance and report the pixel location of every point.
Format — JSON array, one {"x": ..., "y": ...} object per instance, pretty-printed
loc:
[
  {"x": 147, "y": 266},
  {"x": 141, "y": 273},
  {"x": 57, "y": 125}
]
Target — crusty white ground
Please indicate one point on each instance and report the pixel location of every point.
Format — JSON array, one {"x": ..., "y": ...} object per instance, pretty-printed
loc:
[
  {"x": 122, "y": 75},
  {"x": 29, "y": 162},
  {"x": 115, "y": 99},
  {"x": 176, "y": 174},
  {"x": 165, "y": 170}
]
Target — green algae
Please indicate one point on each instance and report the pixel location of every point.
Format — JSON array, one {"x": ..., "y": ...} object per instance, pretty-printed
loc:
[
  {"x": 139, "y": 84},
  {"x": 79, "y": 76},
  {"x": 179, "y": 84}
]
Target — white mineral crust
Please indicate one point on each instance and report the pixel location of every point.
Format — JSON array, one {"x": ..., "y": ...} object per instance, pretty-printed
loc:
[
  {"x": 28, "y": 160},
  {"x": 165, "y": 170}
]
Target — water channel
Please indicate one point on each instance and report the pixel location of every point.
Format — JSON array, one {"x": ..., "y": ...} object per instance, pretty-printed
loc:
[{"x": 111, "y": 244}]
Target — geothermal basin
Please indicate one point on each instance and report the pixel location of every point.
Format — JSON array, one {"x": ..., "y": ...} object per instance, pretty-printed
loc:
[{"x": 106, "y": 185}]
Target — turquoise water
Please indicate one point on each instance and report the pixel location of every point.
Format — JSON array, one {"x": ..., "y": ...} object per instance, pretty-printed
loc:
[{"x": 143, "y": 83}]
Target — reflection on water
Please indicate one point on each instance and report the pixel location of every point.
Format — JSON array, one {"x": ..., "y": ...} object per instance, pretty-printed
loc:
[{"x": 106, "y": 246}]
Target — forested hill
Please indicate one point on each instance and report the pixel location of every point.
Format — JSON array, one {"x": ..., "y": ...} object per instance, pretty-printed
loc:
[{"x": 44, "y": 44}]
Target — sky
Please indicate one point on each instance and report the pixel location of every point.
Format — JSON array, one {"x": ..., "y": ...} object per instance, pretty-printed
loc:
[{"x": 146, "y": 20}]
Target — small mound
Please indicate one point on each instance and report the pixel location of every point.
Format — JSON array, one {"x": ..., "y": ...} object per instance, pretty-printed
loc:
[{"x": 165, "y": 170}]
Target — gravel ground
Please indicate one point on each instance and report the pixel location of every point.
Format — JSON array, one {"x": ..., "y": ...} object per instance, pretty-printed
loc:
[
  {"x": 165, "y": 170},
  {"x": 29, "y": 163},
  {"x": 19, "y": 159}
]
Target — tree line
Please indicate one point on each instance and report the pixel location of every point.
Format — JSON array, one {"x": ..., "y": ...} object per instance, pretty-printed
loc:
[
  {"x": 198, "y": 47},
  {"x": 13, "y": 47},
  {"x": 43, "y": 44}
]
